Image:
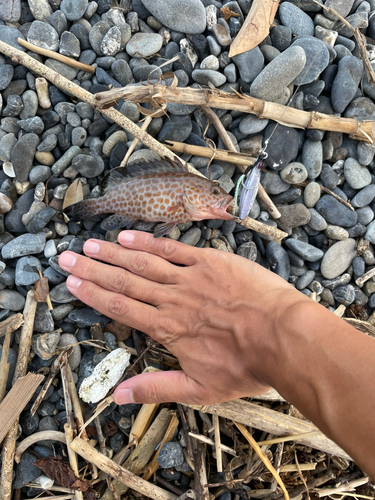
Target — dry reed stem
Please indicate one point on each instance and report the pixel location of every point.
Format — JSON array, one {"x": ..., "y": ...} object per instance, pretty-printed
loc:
[
  {"x": 144, "y": 127},
  {"x": 219, "y": 458},
  {"x": 142, "y": 422},
  {"x": 9, "y": 443},
  {"x": 55, "y": 55},
  {"x": 4, "y": 366},
  {"x": 121, "y": 120},
  {"x": 249, "y": 438},
  {"x": 34, "y": 438},
  {"x": 290, "y": 117},
  {"x": 11, "y": 324},
  {"x": 284, "y": 439},
  {"x": 365, "y": 277},
  {"x": 208, "y": 440}
]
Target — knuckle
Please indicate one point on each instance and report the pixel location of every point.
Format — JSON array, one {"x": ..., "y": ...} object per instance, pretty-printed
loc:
[
  {"x": 152, "y": 392},
  {"x": 117, "y": 307},
  {"x": 111, "y": 251},
  {"x": 169, "y": 248},
  {"x": 120, "y": 281},
  {"x": 140, "y": 263},
  {"x": 88, "y": 269}
]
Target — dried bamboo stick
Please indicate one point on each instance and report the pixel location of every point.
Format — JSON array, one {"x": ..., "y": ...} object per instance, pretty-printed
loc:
[
  {"x": 142, "y": 422},
  {"x": 219, "y": 458},
  {"x": 291, "y": 117},
  {"x": 214, "y": 119},
  {"x": 208, "y": 440},
  {"x": 293, "y": 467},
  {"x": 124, "y": 122},
  {"x": 168, "y": 436},
  {"x": 241, "y": 159},
  {"x": 249, "y": 438},
  {"x": 55, "y": 55},
  {"x": 4, "y": 366},
  {"x": 273, "y": 422},
  {"x": 199, "y": 455},
  {"x": 365, "y": 277},
  {"x": 34, "y": 438},
  {"x": 11, "y": 324},
  {"x": 120, "y": 474},
  {"x": 9, "y": 444},
  {"x": 349, "y": 486},
  {"x": 144, "y": 127}
]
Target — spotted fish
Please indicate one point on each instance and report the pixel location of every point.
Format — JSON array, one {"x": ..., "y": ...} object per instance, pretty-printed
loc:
[{"x": 157, "y": 191}]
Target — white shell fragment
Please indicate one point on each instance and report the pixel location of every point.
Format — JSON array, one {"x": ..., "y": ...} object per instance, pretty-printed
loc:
[{"x": 105, "y": 375}]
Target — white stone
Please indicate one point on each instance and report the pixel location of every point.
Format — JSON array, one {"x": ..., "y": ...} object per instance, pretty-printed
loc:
[{"x": 105, "y": 376}]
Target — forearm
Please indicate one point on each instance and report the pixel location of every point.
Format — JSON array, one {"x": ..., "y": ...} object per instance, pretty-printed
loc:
[{"x": 326, "y": 369}]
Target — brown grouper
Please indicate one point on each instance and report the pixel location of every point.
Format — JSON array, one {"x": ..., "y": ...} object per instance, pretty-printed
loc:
[{"x": 156, "y": 191}]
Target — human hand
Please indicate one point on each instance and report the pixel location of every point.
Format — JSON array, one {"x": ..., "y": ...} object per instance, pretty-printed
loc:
[{"x": 219, "y": 314}]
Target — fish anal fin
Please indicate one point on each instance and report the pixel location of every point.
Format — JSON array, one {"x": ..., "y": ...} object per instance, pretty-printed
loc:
[
  {"x": 117, "y": 221},
  {"x": 164, "y": 229}
]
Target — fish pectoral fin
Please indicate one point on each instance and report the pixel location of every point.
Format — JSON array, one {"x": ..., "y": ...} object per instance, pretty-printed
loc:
[
  {"x": 164, "y": 229},
  {"x": 117, "y": 221},
  {"x": 173, "y": 208}
]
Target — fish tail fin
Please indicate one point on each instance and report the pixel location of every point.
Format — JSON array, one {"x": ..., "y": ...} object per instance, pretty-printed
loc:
[{"x": 83, "y": 210}]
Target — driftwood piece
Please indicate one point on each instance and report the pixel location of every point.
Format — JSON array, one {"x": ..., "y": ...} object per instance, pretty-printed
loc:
[
  {"x": 34, "y": 438},
  {"x": 11, "y": 324},
  {"x": 55, "y": 55},
  {"x": 16, "y": 400},
  {"x": 362, "y": 326},
  {"x": 291, "y": 117},
  {"x": 199, "y": 456},
  {"x": 4, "y": 366},
  {"x": 273, "y": 422},
  {"x": 9, "y": 444},
  {"x": 121, "y": 475},
  {"x": 227, "y": 141},
  {"x": 365, "y": 277},
  {"x": 121, "y": 120}
]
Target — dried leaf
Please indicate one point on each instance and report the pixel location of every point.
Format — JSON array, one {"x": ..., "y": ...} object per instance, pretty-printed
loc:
[
  {"x": 227, "y": 13},
  {"x": 256, "y": 26},
  {"x": 62, "y": 473},
  {"x": 73, "y": 194},
  {"x": 41, "y": 289}
]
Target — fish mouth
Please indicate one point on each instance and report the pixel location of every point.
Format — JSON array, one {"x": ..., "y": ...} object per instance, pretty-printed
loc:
[{"x": 224, "y": 204}]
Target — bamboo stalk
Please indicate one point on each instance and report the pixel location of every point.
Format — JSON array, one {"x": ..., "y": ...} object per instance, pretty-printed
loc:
[
  {"x": 142, "y": 422},
  {"x": 124, "y": 122},
  {"x": 291, "y": 117},
  {"x": 219, "y": 459},
  {"x": 120, "y": 474},
  {"x": 9, "y": 444},
  {"x": 207, "y": 440},
  {"x": 55, "y": 55},
  {"x": 230, "y": 146},
  {"x": 273, "y": 422},
  {"x": 144, "y": 127}
]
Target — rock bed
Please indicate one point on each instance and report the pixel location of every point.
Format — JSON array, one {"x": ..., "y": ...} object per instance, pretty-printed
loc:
[{"x": 46, "y": 145}]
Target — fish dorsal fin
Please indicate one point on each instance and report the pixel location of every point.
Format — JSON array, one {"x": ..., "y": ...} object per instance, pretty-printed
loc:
[{"x": 124, "y": 174}]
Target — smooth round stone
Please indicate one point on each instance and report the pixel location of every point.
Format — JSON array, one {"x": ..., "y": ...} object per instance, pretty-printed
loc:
[
  {"x": 111, "y": 43},
  {"x": 344, "y": 295},
  {"x": 283, "y": 148},
  {"x": 180, "y": 109},
  {"x": 359, "y": 266},
  {"x": 336, "y": 213},
  {"x": 34, "y": 125},
  {"x": 206, "y": 76},
  {"x": 278, "y": 259},
  {"x": 365, "y": 215},
  {"x": 317, "y": 222},
  {"x": 171, "y": 455},
  {"x": 356, "y": 231},
  {"x": 61, "y": 294},
  {"x": 9, "y": 35},
  {"x": 74, "y": 9},
  {"x": 40, "y": 173},
  {"x": 43, "y": 35},
  {"x": 210, "y": 62},
  {"x": 63, "y": 69},
  {"x": 365, "y": 153},
  {"x": 7, "y": 143},
  {"x": 294, "y": 215},
  {"x": 305, "y": 280},
  {"x": 342, "y": 7},
  {"x": 6, "y": 75},
  {"x": 272, "y": 183},
  {"x": 11, "y": 300},
  {"x": 191, "y": 237},
  {"x": 69, "y": 45},
  {"x": 26, "y": 471},
  {"x": 23, "y": 154},
  {"x": 370, "y": 233},
  {"x": 27, "y": 271},
  {"x": 281, "y": 37},
  {"x": 178, "y": 128},
  {"x": 96, "y": 35},
  {"x": 295, "y": 19},
  {"x": 317, "y": 59},
  {"x": 186, "y": 16},
  {"x": 338, "y": 258},
  {"x": 361, "y": 108},
  {"x": 222, "y": 35},
  {"x": 14, "y": 106},
  {"x": 122, "y": 72},
  {"x": 345, "y": 84},
  {"x": 249, "y": 64},
  {"x": 67, "y": 339},
  {"x": 144, "y": 44},
  {"x": 230, "y": 72},
  {"x": 294, "y": 173},
  {"x": 304, "y": 250},
  {"x": 88, "y": 166},
  {"x": 312, "y": 158},
  {"x": 252, "y": 125},
  {"x": 364, "y": 197},
  {"x": 336, "y": 232},
  {"x": 329, "y": 177},
  {"x": 59, "y": 22},
  {"x": 79, "y": 136},
  {"x": 269, "y": 52},
  {"x": 356, "y": 175},
  {"x": 278, "y": 74}
]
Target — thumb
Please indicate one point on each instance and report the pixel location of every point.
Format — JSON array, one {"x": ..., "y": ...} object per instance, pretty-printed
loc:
[{"x": 162, "y": 387}]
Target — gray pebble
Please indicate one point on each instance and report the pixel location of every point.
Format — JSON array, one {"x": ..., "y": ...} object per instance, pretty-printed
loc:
[
  {"x": 356, "y": 175},
  {"x": 294, "y": 173},
  {"x": 338, "y": 258},
  {"x": 304, "y": 250}
]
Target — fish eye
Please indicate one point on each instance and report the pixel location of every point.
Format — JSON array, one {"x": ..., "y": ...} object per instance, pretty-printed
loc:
[{"x": 215, "y": 190}]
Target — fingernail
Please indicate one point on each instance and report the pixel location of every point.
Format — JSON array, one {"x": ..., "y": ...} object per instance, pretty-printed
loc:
[
  {"x": 67, "y": 260},
  {"x": 91, "y": 247},
  {"x": 123, "y": 396},
  {"x": 73, "y": 282},
  {"x": 126, "y": 237}
]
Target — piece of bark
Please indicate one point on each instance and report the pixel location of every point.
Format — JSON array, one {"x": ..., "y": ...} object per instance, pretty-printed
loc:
[
  {"x": 290, "y": 117},
  {"x": 273, "y": 422},
  {"x": 256, "y": 26},
  {"x": 16, "y": 400},
  {"x": 121, "y": 475}
]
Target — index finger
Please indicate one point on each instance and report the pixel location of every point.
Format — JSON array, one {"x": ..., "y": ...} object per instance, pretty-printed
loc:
[{"x": 170, "y": 250}]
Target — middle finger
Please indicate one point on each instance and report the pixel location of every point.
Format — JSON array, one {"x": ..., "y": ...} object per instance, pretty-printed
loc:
[{"x": 114, "y": 279}]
